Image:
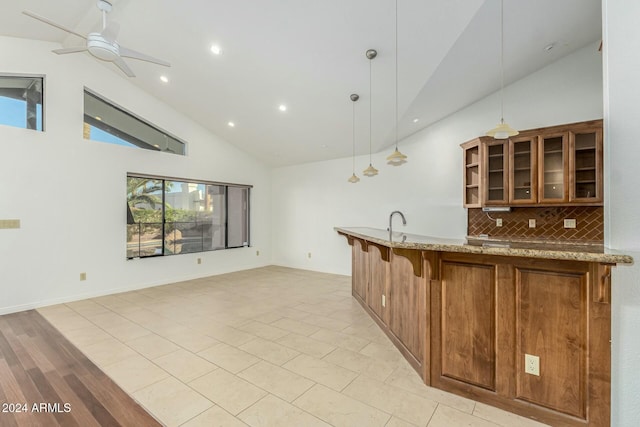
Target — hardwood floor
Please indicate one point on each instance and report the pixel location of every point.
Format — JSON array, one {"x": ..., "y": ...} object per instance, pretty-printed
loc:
[{"x": 46, "y": 381}]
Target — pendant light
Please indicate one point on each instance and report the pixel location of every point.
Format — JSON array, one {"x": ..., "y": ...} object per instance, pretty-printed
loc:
[
  {"x": 396, "y": 158},
  {"x": 370, "y": 171},
  {"x": 503, "y": 130},
  {"x": 354, "y": 97}
]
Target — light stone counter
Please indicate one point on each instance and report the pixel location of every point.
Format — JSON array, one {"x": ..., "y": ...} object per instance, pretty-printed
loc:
[{"x": 575, "y": 252}]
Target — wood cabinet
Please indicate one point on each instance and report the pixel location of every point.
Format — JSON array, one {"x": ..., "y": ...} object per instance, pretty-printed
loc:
[
  {"x": 378, "y": 280},
  {"x": 523, "y": 175},
  {"x": 559, "y": 165},
  {"x": 466, "y": 322},
  {"x": 407, "y": 304},
  {"x": 585, "y": 164},
  {"x": 360, "y": 269},
  {"x": 370, "y": 273},
  {"x": 490, "y": 312},
  {"x": 472, "y": 173}
]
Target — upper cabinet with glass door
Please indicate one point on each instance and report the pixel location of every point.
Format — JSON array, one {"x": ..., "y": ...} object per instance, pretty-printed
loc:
[
  {"x": 585, "y": 165},
  {"x": 523, "y": 176},
  {"x": 496, "y": 181},
  {"x": 559, "y": 165},
  {"x": 553, "y": 168}
]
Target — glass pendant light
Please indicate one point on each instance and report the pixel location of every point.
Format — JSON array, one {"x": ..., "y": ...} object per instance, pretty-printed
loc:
[
  {"x": 354, "y": 97},
  {"x": 503, "y": 130},
  {"x": 396, "y": 158},
  {"x": 370, "y": 171}
]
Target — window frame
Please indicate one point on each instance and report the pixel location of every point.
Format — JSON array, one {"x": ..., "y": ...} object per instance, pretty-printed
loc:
[
  {"x": 226, "y": 186},
  {"x": 144, "y": 145},
  {"x": 43, "y": 77}
]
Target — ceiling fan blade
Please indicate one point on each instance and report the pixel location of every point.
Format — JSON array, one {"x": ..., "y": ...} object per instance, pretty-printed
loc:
[
  {"x": 70, "y": 50},
  {"x": 53, "y": 24},
  {"x": 111, "y": 31},
  {"x": 129, "y": 53},
  {"x": 124, "y": 67}
]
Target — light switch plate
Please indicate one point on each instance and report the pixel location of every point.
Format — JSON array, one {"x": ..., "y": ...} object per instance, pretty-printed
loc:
[
  {"x": 532, "y": 223},
  {"x": 9, "y": 223},
  {"x": 498, "y": 222},
  {"x": 569, "y": 223}
]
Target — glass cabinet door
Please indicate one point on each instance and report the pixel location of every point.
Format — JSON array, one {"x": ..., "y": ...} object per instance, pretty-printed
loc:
[
  {"x": 522, "y": 170},
  {"x": 553, "y": 175},
  {"x": 585, "y": 170},
  {"x": 496, "y": 173}
]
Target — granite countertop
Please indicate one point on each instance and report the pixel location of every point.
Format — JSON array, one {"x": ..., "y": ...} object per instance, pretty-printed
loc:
[{"x": 545, "y": 250}]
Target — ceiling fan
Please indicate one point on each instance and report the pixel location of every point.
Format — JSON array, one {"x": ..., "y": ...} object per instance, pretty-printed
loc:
[{"x": 102, "y": 45}]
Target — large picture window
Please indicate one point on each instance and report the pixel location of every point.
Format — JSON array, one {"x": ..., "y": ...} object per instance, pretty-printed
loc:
[
  {"x": 21, "y": 100},
  {"x": 106, "y": 122},
  {"x": 168, "y": 216}
]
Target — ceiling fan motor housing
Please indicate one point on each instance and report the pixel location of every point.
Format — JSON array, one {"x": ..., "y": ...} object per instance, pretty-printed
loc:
[{"x": 102, "y": 48}]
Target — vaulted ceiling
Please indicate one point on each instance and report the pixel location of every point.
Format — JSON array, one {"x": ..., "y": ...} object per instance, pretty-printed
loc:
[{"x": 310, "y": 55}]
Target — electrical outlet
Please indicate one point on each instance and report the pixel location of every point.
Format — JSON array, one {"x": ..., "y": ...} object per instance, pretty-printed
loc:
[
  {"x": 569, "y": 223},
  {"x": 532, "y": 364},
  {"x": 83, "y": 276},
  {"x": 384, "y": 301},
  {"x": 199, "y": 261},
  {"x": 498, "y": 222},
  {"x": 532, "y": 223},
  {"x": 257, "y": 253}
]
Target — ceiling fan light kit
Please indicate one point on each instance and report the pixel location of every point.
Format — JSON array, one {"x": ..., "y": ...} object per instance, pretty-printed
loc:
[{"x": 102, "y": 45}]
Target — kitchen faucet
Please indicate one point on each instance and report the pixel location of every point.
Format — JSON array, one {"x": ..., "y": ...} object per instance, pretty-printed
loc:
[{"x": 404, "y": 222}]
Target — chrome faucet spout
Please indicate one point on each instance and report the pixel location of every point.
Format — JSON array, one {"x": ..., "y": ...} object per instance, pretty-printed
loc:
[{"x": 404, "y": 222}]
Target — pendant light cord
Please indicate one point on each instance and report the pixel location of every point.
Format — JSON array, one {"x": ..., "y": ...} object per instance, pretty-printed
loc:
[
  {"x": 370, "y": 103},
  {"x": 501, "y": 61},
  {"x": 396, "y": 75},
  {"x": 353, "y": 134}
]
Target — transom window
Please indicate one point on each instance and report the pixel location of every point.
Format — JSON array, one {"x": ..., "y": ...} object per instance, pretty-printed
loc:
[
  {"x": 106, "y": 122},
  {"x": 21, "y": 100}
]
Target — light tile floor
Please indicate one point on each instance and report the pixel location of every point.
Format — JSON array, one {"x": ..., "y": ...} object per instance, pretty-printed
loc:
[{"x": 266, "y": 347}]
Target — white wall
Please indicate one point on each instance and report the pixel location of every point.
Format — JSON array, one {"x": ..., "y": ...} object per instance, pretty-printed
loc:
[
  {"x": 69, "y": 193},
  {"x": 309, "y": 200},
  {"x": 622, "y": 215}
]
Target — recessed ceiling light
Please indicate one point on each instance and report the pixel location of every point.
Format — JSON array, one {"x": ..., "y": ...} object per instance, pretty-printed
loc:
[
  {"x": 231, "y": 124},
  {"x": 164, "y": 79},
  {"x": 549, "y": 46},
  {"x": 98, "y": 118},
  {"x": 282, "y": 107},
  {"x": 416, "y": 120},
  {"x": 324, "y": 145},
  {"x": 215, "y": 49}
]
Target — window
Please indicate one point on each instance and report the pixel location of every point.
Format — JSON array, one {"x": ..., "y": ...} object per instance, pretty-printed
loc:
[
  {"x": 21, "y": 101},
  {"x": 106, "y": 122},
  {"x": 168, "y": 216}
]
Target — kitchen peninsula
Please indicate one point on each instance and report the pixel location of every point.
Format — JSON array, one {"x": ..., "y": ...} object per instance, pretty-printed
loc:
[{"x": 522, "y": 326}]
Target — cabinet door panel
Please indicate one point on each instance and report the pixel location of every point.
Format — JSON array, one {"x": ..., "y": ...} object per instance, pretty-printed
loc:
[
  {"x": 551, "y": 318},
  {"x": 496, "y": 190},
  {"x": 360, "y": 270},
  {"x": 406, "y": 303},
  {"x": 468, "y": 323},
  {"x": 377, "y": 281},
  {"x": 585, "y": 166},
  {"x": 553, "y": 166},
  {"x": 522, "y": 170}
]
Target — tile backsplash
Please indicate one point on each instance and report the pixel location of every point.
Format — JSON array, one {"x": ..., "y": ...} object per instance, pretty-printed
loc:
[{"x": 549, "y": 223}]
